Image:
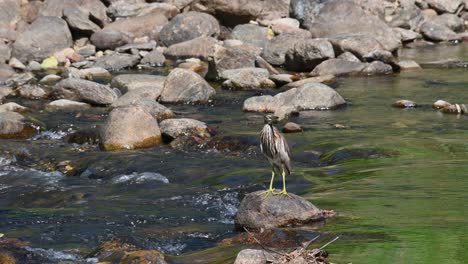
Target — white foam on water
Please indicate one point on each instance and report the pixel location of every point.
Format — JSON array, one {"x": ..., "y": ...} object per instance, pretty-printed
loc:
[
  {"x": 53, "y": 135},
  {"x": 136, "y": 178}
]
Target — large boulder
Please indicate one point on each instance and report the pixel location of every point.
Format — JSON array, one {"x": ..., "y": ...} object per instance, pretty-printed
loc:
[
  {"x": 143, "y": 97},
  {"x": 176, "y": 127},
  {"x": 110, "y": 39},
  {"x": 84, "y": 91},
  {"x": 117, "y": 61},
  {"x": 308, "y": 53},
  {"x": 437, "y": 32},
  {"x": 445, "y": 6},
  {"x": 234, "y": 12},
  {"x": 226, "y": 58},
  {"x": 338, "y": 67},
  {"x": 129, "y": 82},
  {"x": 79, "y": 21},
  {"x": 130, "y": 127},
  {"x": 309, "y": 96},
  {"x": 326, "y": 19},
  {"x": 186, "y": 86},
  {"x": 251, "y": 34},
  {"x": 153, "y": 23},
  {"x": 188, "y": 26},
  {"x": 256, "y": 211},
  {"x": 201, "y": 47},
  {"x": 451, "y": 21},
  {"x": 9, "y": 13},
  {"x": 358, "y": 44},
  {"x": 275, "y": 50},
  {"x": 247, "y": 79},
  {"x": 95, "y": 8},
  {"x": 42, "y": 38}
]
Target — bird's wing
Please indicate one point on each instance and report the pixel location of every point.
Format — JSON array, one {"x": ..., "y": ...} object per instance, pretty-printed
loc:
[{"x": 283, "y": 150}]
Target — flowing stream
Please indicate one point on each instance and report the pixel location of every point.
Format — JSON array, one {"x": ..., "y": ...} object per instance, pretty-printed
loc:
[{"x": 397, "y": 178}]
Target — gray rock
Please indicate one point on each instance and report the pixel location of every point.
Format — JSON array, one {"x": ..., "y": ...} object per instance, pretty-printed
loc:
[
  {"x": 176, "y": 127},
  {"x": 130, "y": 127},
  {"x": 154, "y": 58},
  {"x": 93, "y": 73},
  {"x": 281, "y": 79},
  {"x": 153, "y": 23},
  {"x": 407, "y": 35},
  {"x": 67, "y": 104},
  {"x": 32, "y": 92},
  {"x": 9, "y": 14},
  {"x": 381, "y": 55},
  {"x": 308, "y": 53},
  {"x": 117, "y": 61},
  {"x": 126, "y": 8},
  {"x": 251, "y": 34},
  {"x": 144, "y": 97},
  {"x": 11, "y": 107},
  {"x": 5, "y": 52},
  {"x": 201, "y": 47},
  {"x": 95, "y": 8},
  {"x": 186, "y": 86},
  {"x": 229, "y": 58},
  {"x": 338, "y": 67},
  {"x": 50, "y": 78},
  {"x": 16, "y": 64},
  {"x": 437, "y": 32},
  {"x": 348, "y": 56},
  {"x": 318, "y": 79},
  {"x": 257, "y": 212},
  {"x": 377, "y": 68},
  {"x": 247, "y": 79},
  {"x": 451, "y": 21},
  {"x": 130, "y": 82},
  {"x": 408, "y": 17},
  {"x": 139, "y": 46},
  {"x": 234, "y": 12},
  {"x": 84, "y": 91},
  {"x": 5, "y": 91},
  {"x": 325, "y": 20},
  {"x": 87, "y": 50},
  {"x": 255, "y": 256},
  {"x": 275, "y": 49},
  {"x": 445, "y": 6},
  {"x": 11, "y": 124},
  {"x": 262, "y": 63},
  {"x": 34, "y": 66},
  {"x": 79, "y": 21},
  {"x": 439, "y": 104},
  {"x": 188, "y": 26},
  {"x": 408, "y": 65},
  {"x": 358, "y": 44},
  {"x": 109, "y": 39},
  {"x": 44, "y": 37},
  {"x": 309, "y": 96},
  {"x": 291, "y": 127},
  {"x": 19, "y": 79}
]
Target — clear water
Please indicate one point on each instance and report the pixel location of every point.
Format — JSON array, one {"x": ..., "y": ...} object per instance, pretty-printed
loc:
[{"x": 396, "y": 177}]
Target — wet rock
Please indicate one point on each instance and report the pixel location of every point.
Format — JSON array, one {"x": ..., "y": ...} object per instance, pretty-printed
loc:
[
  {"x": 153, "y": 23},
  {"x": 14, "y": 251},
  {"x": 124, "y": 253},
  {"x": 66, "y": 104},
  {"x": 247, "y": 79},
  {"x": 325, "y": 20},
  {"x": 310, "y": 96},
  {"x": 109, "y": 39},
  {"x": 188, "y": 26},
  {"x": 79, "y": 21},
  {"x": 404, "y": 104},
  {"x": 445, "y": 6},
  {"x": 117, "y": 61},
  {"x": 130, "y": 127},
  {"x": 451, "y": 21},
  {"x": 437, "y": 32},
  {"x": 176, "y": 127},
  {"x": 11, "y": 107},
  {"x": 229, "y": 58},
  {"x": 338, "y": 67},
  {"x": 439, "y": 104},
  {"x": 42, "y": 38},
  {"x": 455, "y": 109},
  {"x": 186, "y": 86},
  {"x": 11, "y": 125},
  {"x": 5, "y": 91},
  {"x": 319, "y": 79},
  {"x": 32, "y": 92},
  {"x": 308, "y": 53},
  {"x": 291, "y": 127},
  {"x": 130, "y": 82},
  {"x": 84, "y": 91},
  {"x": 407, "y": 35},
  {"x": 255, "y": 212},
  {"x": 255, "y": 256},
  {"x": 201, "y": 47},
  {"x": 251, "y": 34},
  {"x": 16, "y": 64},
  {"x": 408, "y": 65},
  {"x": 154, "y": 58},
  {"x": 5, "y": 52},
  {"x": 377, "y": 68},
  {"x": 234, "y": 12},
  {"x": 275, "y": 49}
]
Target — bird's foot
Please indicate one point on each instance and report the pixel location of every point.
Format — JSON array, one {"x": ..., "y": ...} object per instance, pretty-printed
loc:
[
  {"x": 283, "y": 192},
  {"x": 268, "y": 192}
]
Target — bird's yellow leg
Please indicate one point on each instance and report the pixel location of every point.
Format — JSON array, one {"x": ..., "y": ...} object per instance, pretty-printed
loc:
[
  {"x": 271, "y": 190},
  {"x": 284, "y": 192}
]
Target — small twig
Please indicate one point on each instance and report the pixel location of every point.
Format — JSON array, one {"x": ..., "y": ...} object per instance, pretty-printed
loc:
[
  {"x": 307, "y": 244},
  {"x": 335, "y": 239},
  {"x": 264, "y": 247}
]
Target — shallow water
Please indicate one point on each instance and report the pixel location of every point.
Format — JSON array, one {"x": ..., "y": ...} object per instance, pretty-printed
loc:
[{"x": 396, "y": 177}]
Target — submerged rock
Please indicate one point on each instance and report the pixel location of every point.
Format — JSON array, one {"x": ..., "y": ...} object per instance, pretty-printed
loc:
[
  {"x": 440, "y": 104},
  {"x": 455, "y": 109},
  {"x": 186, "y": 86},
  {"x": 130, "y": 127},
  {"x": 257, "y": 212},
  {"x": 291, "y": 127},
  {"x": 404, "y": 104},
  {"x": 124, "y": 253}
]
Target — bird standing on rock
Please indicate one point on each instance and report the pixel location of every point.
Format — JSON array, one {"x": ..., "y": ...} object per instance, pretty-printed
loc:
[{"x": 276, "y": 149}]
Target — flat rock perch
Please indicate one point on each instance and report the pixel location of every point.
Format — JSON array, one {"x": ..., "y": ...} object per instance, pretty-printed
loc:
[{"x": 256, "y": 211}]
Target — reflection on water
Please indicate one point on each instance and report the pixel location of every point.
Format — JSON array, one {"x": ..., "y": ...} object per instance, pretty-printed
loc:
[{"x": 396, "y": 177}]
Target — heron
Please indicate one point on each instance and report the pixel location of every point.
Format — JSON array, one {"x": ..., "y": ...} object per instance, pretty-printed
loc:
[{"x": 274, "y": 146}]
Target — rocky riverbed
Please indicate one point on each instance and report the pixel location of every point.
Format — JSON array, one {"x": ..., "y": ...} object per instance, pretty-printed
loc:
[{"x": 128, "y": 128}]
